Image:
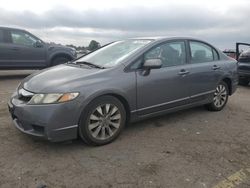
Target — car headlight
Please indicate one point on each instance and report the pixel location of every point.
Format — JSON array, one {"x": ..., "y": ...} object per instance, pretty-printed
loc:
[{"x": 52, "y": 98}]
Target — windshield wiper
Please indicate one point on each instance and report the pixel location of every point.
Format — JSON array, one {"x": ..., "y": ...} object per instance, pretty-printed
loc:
[{"x": 90, "y": 64}]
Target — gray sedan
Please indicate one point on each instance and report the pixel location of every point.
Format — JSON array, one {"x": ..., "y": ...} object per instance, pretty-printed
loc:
[{"x": 95, "y": 96}]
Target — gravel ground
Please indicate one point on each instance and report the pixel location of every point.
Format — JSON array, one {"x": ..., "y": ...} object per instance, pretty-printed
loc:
[{"x": 188, "y": 149}]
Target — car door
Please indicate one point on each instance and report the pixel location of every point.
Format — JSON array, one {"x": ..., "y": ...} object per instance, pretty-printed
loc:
[
  {"x": 23, "y": 51},
  {"x": 166, "y": 87},
  {"x": 205, "y": 70}
]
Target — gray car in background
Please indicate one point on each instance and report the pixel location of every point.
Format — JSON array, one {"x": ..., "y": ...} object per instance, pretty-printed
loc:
[
  {"x": 20, "y": 49},
  {"x": 125, "y": 81}
]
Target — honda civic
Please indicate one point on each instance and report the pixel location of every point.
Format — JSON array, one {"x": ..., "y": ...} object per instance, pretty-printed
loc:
[{"x": 95, "y": 96}]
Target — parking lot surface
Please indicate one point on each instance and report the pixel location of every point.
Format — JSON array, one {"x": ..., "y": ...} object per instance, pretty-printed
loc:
[{"x": 193, "y": 148}]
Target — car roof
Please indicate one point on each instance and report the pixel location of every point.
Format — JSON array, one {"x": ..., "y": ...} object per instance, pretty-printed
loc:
[
  {"x": 7, "y": 28},
  {"x": 165, "y": 38},
  {"x": 160, "y": 39}
]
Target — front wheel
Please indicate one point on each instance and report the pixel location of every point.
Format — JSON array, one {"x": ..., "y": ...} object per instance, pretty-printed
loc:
[
  {"x": 60, "y": 60},
  {"x": 220, "y": 97},
  {"x": 102, "y": 121}
]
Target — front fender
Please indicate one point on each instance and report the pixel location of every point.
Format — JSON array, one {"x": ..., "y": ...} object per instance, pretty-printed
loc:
[
  {"x": 112, "y": 91},
  {"x": 124, "y": 87}
]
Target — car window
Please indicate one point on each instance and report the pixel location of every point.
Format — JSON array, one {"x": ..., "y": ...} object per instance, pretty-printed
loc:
[
  {"x": 114, "y": 53},
  {"x": 171, "y": 53},
  {"x": 201, "y": 52},
  {"x": 22, "y": 38},
  {"x": 216, "y": 56},
  {"x": 1, "y": 36}
]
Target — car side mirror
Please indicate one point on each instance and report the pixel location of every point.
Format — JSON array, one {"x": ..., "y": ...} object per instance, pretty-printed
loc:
[
  {"x": 152, "y": 64},
  {"x": 38, "y": 44}
]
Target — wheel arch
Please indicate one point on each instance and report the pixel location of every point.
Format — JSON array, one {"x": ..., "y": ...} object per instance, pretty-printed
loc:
[
  {"x": 228, "y": 81},
  {"x": 124, "y": 102},
  {"x": 118, "y": 96},
  {"x": 54, "y": 56}
]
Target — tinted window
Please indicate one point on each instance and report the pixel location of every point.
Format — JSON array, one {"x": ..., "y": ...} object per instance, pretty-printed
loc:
[
  {"x": 201, "y": 52},
  {"x": 19, "y": 37},
  {"x": 1, "y": 36},
  {"x": 171, "y": 53}
]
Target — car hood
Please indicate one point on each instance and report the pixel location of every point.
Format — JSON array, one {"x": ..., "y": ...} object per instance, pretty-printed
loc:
[
  {"x": 61, "y": 78},
  {"x": 51, "y": 44}
]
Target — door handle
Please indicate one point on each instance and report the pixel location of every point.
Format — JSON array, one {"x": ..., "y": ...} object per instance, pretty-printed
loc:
[
  {"x": 183, "y": 72},
  {"x": 215, "y": 67}
]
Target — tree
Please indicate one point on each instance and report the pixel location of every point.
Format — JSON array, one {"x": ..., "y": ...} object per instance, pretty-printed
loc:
[{"x": 93, "y": 45}]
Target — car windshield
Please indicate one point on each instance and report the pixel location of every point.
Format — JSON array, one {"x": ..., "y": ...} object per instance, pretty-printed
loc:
[{"x": 114, "y": 53}]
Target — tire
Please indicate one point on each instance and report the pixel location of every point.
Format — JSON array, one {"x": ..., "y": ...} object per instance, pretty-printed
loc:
[
  {"x": 243, "y": 81},
  {"x": 220, "y": 97},
  {"x": 102, "y": 121},
  {"x": 59, "y": 60}
]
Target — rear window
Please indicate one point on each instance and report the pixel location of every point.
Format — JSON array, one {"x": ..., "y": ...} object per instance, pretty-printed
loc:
[
  {"x": 201, "y": 52},
  {"x": 1, "y": 36}
]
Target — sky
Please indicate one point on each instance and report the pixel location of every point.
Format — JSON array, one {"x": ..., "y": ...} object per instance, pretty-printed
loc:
[{"x": 77, "y": 22}]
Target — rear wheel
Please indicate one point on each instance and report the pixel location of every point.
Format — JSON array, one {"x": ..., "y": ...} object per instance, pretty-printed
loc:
[
  {"x": 220, "y": 97},
  {"x": 102, "y": 121},
  {"x": 243, "y": 81},
  {"x": 60, "y": 60}
]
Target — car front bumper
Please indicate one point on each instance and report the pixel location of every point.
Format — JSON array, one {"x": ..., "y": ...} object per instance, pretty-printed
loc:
[{"x": 54, "y": 122}]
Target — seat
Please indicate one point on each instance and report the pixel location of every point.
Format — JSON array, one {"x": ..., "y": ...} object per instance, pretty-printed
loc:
[
  {"x": 169, "y": 56},
  {"x": 199, "y": 56}
]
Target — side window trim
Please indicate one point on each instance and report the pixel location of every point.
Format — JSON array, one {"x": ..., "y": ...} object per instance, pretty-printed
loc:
[
  {"x": 188, "y": 52},
  {"x": 1, "y": 36},
  {"x": 8, "y": 33},
  {"x": 6, "y": 36},
  {"x": 215, "y": 52}
]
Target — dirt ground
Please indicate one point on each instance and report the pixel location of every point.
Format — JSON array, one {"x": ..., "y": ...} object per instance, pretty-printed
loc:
[{"x": 194, "y": 148}]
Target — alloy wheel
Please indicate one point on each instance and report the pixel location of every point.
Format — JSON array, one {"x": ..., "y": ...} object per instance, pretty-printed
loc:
[
  {"x": 104, "y": 121},
  {"x": 220, "y": 96}
]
